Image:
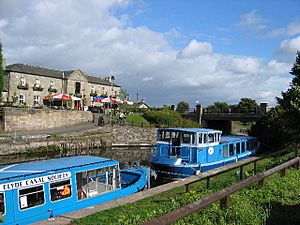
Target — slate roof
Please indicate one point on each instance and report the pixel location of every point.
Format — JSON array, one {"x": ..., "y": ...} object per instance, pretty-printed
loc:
[{"x": 40, "y": 71}]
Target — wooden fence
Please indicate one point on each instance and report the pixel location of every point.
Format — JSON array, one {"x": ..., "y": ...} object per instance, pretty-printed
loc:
[{"x": 223, "y": 195}]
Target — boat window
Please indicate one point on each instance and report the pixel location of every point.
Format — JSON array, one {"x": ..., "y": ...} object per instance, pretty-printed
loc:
[
  {"x": 94, "y": 182},
  {"x": 165, "y": 136},
  {"x": 30, "y": 197},
  {"x": 243, "y": 146},
  {"x": 248, "y": 145},
  {"x": 60, "y": 190},
  {"x": 231, "y": 150},
  {"x": 186, "y": 138},
  {"x": 225, "y": 151},
  {"x": 175, "y": 151},
  {"x": 175, "y": 138},
  {"x": 205, "y": 138},
  {"x": 238, "y": 148},
  {"x": 200, "y": 138},
  {"x": 2, "y": 204},
  {"x": 211, "y": 138}
]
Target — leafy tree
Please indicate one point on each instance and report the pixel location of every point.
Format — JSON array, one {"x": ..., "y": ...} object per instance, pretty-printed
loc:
[
  {"x": 247, "y": 104},
  {"x": 219, "y": 107},
  {"x": 183, "y": 106},
  {"x": 124, "y": 94},
  {"x": 1, "y": 72},
  {"x": 281, "y": 125}
]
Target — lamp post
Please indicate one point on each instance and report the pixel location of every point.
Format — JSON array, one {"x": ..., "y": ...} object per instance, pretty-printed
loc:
[{"x": 111, "y": 78}]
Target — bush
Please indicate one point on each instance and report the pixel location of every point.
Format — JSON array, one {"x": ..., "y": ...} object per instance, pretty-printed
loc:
[{"x": 168, "y": 118}]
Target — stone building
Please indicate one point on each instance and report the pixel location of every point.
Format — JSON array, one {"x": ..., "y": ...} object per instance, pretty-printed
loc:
[{"x": 28, "y": 85}]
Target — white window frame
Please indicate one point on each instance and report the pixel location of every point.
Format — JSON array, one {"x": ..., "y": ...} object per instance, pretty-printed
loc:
[
  {"x": 23, "y": 80},
  {"x": 36, "y": 99},
  {"x": 22, "y": 98}
]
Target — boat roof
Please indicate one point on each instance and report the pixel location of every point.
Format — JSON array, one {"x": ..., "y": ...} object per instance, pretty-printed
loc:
[
  {"x": 234, "y": 138},
  {"x": 50, "y": 165},
  {"x": 194, "y": 130}
]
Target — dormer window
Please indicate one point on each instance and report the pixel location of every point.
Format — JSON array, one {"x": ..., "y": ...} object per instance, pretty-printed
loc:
[
  {"x": 37, "y": 82},
  {"x": 23, "y": 80}
]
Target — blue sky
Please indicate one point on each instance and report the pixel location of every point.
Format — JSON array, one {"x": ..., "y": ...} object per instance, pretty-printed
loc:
[{"x": 167, "y": 51}]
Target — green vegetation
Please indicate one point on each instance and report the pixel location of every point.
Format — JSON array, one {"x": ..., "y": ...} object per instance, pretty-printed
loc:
[
  {"x": 182, "y": 106},
  {"x": 277, "y": 203},
  {"x": 281, "y": 125},
  {"x": 218, "y": 107},
  {"x": 136, "y": 119},
  {"x": 169, "y": 118}
]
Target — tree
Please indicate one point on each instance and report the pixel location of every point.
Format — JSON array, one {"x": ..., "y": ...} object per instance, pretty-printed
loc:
[
  {"x": 182, "y": 106},
  {"x": 281, "y": 125},
  {"x": 248, "y": 104},
  {"x": 1, "y": 72},
  {"x": 219, "y": 107},
  {"x": 124, "y": 94}
]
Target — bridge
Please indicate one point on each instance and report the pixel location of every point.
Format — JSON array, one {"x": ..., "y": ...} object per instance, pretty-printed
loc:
[{"x": 225, "y": 120}]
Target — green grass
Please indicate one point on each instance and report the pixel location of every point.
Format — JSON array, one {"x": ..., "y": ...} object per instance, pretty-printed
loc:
[
  {"x": 277, "y": 203},
  {"x": 136, "y": 119}
]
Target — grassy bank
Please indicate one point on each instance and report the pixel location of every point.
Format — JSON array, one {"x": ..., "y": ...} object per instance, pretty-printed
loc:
[{"x": 276, "y": 203}]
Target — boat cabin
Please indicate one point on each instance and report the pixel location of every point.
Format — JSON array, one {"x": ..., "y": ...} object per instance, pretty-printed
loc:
[
  {"x": 198, "y": 148},
  {"x": 38, "y": 190}
]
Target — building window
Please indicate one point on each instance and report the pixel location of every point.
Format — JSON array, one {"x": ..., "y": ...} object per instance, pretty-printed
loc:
[
  {"x": 37, "y": 82},
  {"x": 36, "y": 99},
  {"x": 2, "y": 204},
  {"x": 23, "y": 80},
  {"x": 77, "y": 88},
  {"x": 94, "y": 182},
  {"x": 30, "y": 197},
  {"x": 21, "y": 99},
  {"x": 60, "y": 190}
]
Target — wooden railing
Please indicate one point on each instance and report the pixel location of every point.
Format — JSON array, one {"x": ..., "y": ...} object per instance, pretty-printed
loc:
[{"x": 223, "y": 195}]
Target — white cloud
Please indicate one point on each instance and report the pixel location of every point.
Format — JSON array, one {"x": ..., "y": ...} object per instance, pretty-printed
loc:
[
  {"x": 290, "y": 46},
  {"x": 195, "y": 49},
  {"x": 252, "y": 20},
  {"x": 291, "y": 29},
  {"x": 91, "y": 36}
]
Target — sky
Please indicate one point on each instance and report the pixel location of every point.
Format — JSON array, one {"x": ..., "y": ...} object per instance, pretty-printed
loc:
[{"x": 199, "y": 51}]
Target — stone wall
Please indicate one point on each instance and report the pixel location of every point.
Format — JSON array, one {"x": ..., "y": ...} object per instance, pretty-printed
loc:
[{"x": 38, "y": 119}]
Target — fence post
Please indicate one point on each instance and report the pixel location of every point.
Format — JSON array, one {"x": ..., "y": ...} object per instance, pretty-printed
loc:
[
  {"x": 224, "y": 202},
  {"x": 261, "y": 183},
  {"x": 282, "y": 172},
  {"x": 207, "y": 183},
  {"x": 132, "y": 123},
  {"x": 241, "y": 173},
  {"x": 142, "y": 124},
  {"x": 186, "y": 188},
  {"x": 254, "y": 167}
]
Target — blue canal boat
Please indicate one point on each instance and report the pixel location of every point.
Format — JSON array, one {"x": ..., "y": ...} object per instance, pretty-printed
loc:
[
  {"x": 182, "y": 152},
  {"x": 39, "y": 190}
]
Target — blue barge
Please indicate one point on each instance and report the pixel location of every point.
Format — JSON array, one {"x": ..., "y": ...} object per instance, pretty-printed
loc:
[
  {"x": 39, "y": 190},
  {"x": 182, "y": 152}
]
